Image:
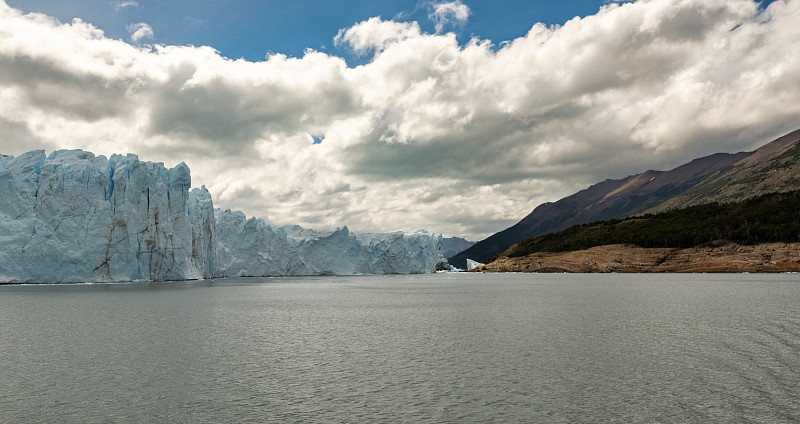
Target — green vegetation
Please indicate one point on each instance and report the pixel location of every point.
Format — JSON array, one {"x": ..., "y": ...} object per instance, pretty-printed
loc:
[{"x": 768, "y": 218}]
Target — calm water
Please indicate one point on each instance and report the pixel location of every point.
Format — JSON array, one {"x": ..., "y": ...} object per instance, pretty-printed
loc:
[{"x": 438, "y": 348}]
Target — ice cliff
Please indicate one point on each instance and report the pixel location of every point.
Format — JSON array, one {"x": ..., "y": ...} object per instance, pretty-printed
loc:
[
  {"x": 72, "y": 216},
  {"x": 248, "y": 247}
]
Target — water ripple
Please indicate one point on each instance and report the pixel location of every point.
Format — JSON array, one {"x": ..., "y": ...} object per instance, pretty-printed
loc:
[{"x": 442, "y": 348}]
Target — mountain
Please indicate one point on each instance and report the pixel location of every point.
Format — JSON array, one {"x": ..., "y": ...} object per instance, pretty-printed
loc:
[
  {"x": 455, "y": 245},
  {"x": 605, "y": 200},
  {"x": 759, "y": 234},
  {"x": 774, "y": 167},
  {"x": 768, "y": 218}
]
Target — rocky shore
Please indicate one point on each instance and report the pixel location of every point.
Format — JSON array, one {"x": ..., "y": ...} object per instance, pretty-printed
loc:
[{"x": 730, "y": 257}]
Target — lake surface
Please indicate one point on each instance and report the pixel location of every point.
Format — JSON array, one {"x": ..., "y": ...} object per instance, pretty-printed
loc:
[{"x": 435, "y": 348}]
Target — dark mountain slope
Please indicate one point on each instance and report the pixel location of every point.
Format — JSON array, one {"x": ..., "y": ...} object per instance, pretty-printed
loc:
[
  {"x": 605, "y": 200},
  {"x": 774, "y": 167}
]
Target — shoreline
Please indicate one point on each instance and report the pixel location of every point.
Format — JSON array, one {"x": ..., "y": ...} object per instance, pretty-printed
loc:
[{"x": 727, "y": 258}]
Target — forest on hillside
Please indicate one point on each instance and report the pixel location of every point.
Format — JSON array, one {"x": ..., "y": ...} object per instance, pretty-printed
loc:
[{"x": 768, "y": 218}]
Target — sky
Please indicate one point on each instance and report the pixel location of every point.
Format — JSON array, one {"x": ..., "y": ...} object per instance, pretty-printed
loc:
[{"x": 458, "y": 117}]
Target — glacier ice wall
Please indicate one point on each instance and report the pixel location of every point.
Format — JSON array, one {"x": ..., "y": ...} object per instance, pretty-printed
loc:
[
  {"x": 250, "y": 247},
  {"x": 76, "y": 217},
  {"x": 73, "y": 216}
]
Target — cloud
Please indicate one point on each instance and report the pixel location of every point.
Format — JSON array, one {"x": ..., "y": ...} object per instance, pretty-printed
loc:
[
  {"x": 448, "y": 13},
  {"x": 374, "y": 34},
  {"x": 121, "y": 5},
  {"x": 140, "y": 31},
  {"x": 463, "y": 139},
  {"x": 17, "y": 134}
]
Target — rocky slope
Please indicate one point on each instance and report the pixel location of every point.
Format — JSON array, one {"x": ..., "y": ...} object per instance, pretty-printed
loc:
[{"x": 728, "y": 257}]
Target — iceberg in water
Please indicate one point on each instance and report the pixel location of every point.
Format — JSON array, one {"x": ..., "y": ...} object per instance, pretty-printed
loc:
[
  {"x": 473, "y": 264},
  {"x": 72, "y": 216}
]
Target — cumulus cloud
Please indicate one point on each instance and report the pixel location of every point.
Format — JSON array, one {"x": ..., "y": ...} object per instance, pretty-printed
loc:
[
  {"x": 140, "y": 31},
  {"x": 448, "y": 13},
  {"x": 463, "y": 139},
  {"x": 374, "y": 34}
]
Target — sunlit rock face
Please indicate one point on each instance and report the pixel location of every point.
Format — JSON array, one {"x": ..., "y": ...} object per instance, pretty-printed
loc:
[{"x": 72, "y": 216}]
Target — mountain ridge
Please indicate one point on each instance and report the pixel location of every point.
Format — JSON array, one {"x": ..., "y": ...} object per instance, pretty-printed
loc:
[
  {"x": 721, "y": 177},
  {"x": 773, "y": 167},
  {"x": 608, "y": 199},
  {"x": 455, "y": 245}
]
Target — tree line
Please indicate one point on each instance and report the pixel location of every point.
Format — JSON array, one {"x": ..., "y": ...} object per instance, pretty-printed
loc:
[{"x": 768, "y": 218}]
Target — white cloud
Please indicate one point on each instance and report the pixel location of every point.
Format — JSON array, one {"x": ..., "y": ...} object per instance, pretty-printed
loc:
[
  {"x": 140, "y": 31},
  {"x": 126, "y": 4},
  {"x": 459, "y": 139},
  {"x": 448, "y": 13},
  {"x": 375, "y": 34}
]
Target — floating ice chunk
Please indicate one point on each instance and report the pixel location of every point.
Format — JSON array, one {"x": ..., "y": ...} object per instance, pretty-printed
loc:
[{"x": 473, "y": 264}]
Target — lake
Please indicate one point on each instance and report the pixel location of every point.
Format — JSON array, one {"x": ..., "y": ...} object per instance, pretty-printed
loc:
[{"x": 432, "y": 348}]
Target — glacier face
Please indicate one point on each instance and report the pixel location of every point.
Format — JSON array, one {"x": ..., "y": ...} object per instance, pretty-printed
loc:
[
  {"x": 250, "y": 247},
  {"x": 72, "y": 216}
]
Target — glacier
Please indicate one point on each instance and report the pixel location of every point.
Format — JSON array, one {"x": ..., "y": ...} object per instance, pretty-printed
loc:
[
  {"x": 250, "y": 247},
  {"x": 72, "y": 216}
]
